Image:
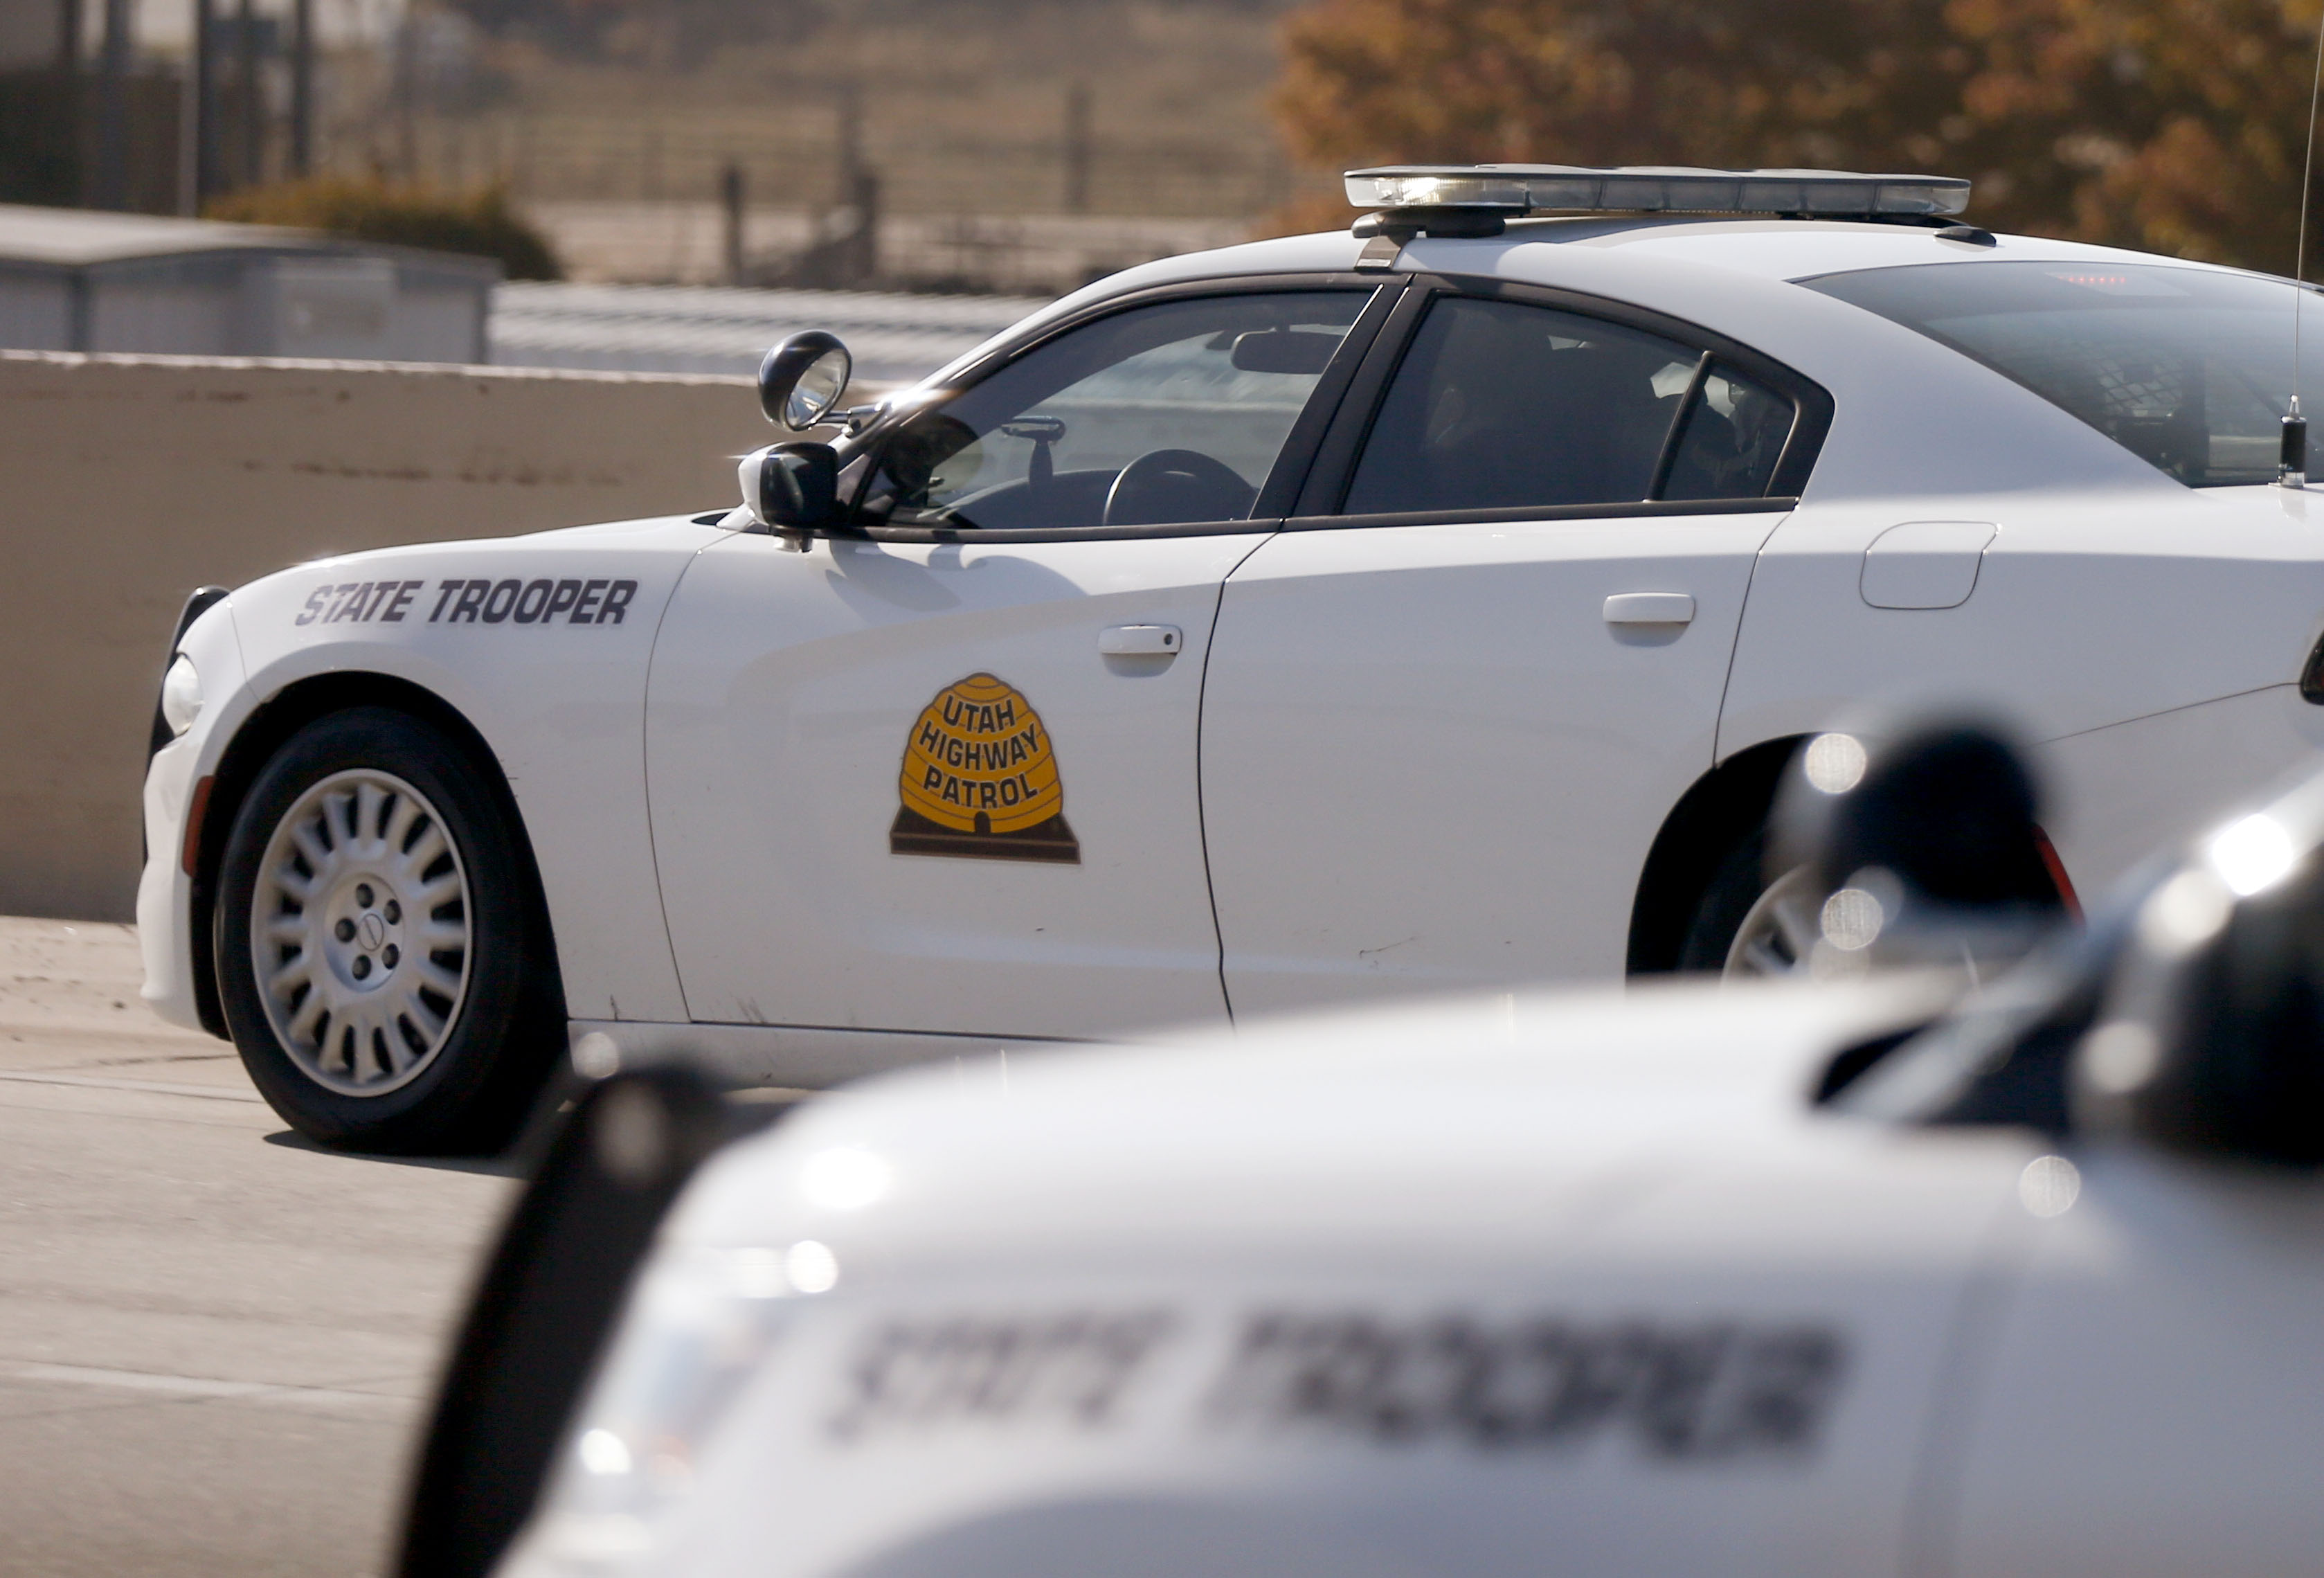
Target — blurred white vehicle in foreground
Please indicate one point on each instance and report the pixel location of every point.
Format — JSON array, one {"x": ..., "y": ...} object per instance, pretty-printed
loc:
[{"x": 1767, "y": 1278}]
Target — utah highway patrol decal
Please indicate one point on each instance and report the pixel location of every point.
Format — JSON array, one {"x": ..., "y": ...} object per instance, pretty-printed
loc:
[{"x": 980, "y": 781}]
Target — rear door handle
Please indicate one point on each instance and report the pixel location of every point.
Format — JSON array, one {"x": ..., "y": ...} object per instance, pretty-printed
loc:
[
  {"x": 1140, "y": 640},
  {"x": 1650, "y": 608}
]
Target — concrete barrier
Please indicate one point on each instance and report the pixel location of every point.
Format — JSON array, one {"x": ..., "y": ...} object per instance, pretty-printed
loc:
[{"x": 125, "y": 482}]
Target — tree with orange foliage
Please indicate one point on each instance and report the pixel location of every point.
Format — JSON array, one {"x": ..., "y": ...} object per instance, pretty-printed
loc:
[{"x": 2176, "y": 125}]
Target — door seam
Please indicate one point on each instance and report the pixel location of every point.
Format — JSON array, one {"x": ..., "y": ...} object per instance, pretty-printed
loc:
[
  {"x": 1202, "y": 786},
  {"x": 645, "y": 777},
  {"x": 1734, "y": 647}
]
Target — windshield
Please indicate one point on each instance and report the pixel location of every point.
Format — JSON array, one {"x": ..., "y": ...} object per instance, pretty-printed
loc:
[{"x": 2188, "y": 369}]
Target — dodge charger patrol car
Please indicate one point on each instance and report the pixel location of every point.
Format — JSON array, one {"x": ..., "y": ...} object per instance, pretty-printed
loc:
[{"x": 1306, "y": 621}]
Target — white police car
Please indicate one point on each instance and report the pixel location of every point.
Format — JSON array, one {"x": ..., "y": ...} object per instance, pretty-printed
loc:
[
  {"x": 1300, "y": 623},
  {"x": 1766, "y": 1279}
]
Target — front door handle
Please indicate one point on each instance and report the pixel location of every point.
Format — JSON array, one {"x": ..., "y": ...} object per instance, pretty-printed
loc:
[
  {"x": 1650, "y": 608},
  {"x": 1140, "y": 640}
]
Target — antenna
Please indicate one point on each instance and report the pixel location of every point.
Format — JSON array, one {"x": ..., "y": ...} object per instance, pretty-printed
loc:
[{"x": 2291, "y": 465}]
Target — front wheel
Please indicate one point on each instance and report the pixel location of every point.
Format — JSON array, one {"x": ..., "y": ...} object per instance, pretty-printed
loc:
[{"x": 384, "y": 968}]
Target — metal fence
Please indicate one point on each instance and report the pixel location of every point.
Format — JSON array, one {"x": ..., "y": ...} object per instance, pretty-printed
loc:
[{"x": 796, "y": 154}]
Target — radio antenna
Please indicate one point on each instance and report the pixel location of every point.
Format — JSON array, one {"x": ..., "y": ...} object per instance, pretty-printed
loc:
[{"x": 2291, "y": 465}]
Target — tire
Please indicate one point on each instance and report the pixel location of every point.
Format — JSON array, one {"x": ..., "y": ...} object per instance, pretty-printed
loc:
[
  {"x": 418, "y": 1012},
  {"x": 1746, "y": 925}
]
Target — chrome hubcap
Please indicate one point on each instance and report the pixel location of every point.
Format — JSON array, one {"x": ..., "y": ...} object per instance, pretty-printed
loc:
[
  {"x": 1778, "y": 934},
  {"x": 361, "y": 933}
]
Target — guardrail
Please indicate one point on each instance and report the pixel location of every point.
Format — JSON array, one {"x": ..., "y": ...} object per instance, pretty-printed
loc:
[{"x": 695, "y": 328}]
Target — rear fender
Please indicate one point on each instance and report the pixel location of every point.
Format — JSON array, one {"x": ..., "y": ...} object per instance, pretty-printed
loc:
[{"x": 1723, "y": 807}]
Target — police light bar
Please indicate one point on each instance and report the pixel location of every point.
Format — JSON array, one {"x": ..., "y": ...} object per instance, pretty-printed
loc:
[{"x": 1514, "y": 189}]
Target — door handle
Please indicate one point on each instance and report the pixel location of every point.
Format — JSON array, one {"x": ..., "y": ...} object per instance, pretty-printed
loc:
[
  {"x": 1140, "y": 640},
  {"x": 1650, "y": 608}
]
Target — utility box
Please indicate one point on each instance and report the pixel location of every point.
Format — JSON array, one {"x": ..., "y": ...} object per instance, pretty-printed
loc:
[{"x": 72, "y": 279}]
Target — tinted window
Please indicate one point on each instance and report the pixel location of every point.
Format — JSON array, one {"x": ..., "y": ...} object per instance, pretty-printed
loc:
[
  {"x": 2189, "y": 370},
  {"x": 1502, "y": 405},
  {"x": 1174, "y": 413},
  {"x": 1734, "y": 434}
]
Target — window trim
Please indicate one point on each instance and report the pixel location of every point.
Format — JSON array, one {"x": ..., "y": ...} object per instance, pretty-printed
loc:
[
  {"x": 970, "y": 536},
  {"x": 1334, "y": 472},
  {"x": 1674, "y": 435},
  {"x": 1643, "y": 509},
  {"x": 1284, "y": 479}
]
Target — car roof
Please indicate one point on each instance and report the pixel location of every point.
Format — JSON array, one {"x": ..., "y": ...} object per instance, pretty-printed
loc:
[
  {"x": 1767, "y": 249},
  {"x": 1916, "y": 419},
  {"x": 1793, "y": 249}
]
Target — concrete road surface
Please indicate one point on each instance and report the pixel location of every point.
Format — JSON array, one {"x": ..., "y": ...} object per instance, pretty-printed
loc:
[{"x": 215, "y": 1341}]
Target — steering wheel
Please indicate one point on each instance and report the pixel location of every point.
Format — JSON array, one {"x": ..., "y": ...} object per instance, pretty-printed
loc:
[{"x": 1165, "y": 485}]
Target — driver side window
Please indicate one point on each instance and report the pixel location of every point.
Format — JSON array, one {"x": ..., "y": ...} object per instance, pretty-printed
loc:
[{"x": 1161, "y": 415}]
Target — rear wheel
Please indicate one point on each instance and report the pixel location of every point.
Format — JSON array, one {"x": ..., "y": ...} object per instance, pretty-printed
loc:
[
  {"x": 1746, "y": 925},
  {"x": 381, "y": 960}
]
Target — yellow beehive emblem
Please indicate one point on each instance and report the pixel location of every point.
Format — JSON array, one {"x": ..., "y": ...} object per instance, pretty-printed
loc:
[{"x": 979, "y": 779}]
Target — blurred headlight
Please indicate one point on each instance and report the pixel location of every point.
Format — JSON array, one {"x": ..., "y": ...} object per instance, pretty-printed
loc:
[
  {"x": 182, "y": 695},
  {"x": 698, "y": 1326}
]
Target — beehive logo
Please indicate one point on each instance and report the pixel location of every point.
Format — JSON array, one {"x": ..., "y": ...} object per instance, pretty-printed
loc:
[{"x": 979, "y": 780}]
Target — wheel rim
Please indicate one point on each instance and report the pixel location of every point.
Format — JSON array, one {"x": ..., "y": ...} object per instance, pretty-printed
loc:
[
  {"x": 361, "y": 931},
  {"x": 1779, "y": 931}
]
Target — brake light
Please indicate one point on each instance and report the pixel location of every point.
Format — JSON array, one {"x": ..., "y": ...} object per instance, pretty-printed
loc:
[{"x": 2057, "y": 877}]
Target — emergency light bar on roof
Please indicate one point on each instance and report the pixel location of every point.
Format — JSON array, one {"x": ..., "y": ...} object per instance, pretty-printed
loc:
[{"x": 1514, "y": 189}]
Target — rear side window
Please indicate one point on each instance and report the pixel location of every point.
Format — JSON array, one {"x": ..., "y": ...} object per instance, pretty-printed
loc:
[
  {"x": 1506, "y": 405},
  {"x": 1733, "y": 434},
  {"x": 2188, "y": 369}
]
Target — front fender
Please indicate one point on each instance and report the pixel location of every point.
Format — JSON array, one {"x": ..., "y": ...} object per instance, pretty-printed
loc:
[{"x": 541, "y": 644}]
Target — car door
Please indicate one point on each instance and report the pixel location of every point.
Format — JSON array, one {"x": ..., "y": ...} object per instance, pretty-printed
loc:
[
  {"x": 936, "y": 773},
  {"x": 1449, "y": 707}
]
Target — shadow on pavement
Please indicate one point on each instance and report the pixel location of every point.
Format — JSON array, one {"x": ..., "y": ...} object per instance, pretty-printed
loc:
[{"x": 499, "y": 1167}]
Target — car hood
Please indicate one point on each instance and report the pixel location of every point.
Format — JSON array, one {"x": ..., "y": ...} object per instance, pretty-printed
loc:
[
  {"x": 1465, "y": 1127},
  {"x": 680, "y": 533},
  {"x": 1219, "y": 1303}
]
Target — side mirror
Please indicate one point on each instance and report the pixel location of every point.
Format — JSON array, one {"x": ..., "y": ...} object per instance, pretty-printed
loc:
[
  {"x": 2209, "y": 1042},
  {"x": 802, "y": 379},
  {"x": 1946, "y": 805},
  {"x": 1916, "y": 841},
  {"x": 792, "y": 487}
]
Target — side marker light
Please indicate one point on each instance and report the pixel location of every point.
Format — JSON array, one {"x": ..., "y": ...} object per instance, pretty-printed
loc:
[{"x": 197, "y": 809}]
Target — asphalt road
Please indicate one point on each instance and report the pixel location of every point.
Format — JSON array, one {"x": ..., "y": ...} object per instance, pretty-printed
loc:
[{"x": 215, "y": 1342}]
